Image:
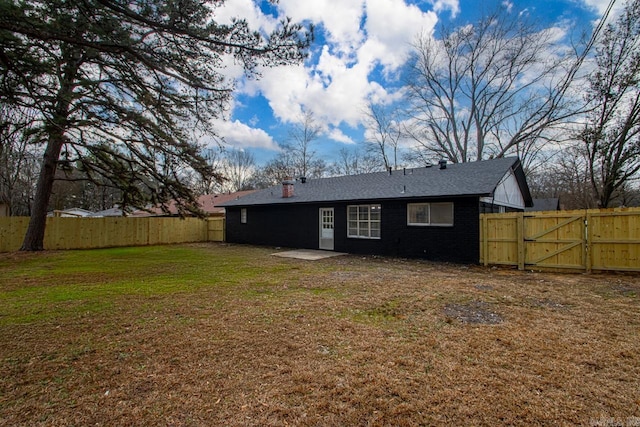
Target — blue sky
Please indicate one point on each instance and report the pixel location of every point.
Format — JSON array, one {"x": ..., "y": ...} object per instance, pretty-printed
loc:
[{"x": 359, "y": 54}]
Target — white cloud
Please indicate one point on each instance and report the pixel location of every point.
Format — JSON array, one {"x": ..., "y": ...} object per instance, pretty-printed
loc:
[
  {"x": 283, "y": 87},
  {"x": 245, "y": 9},
  {"x": 452, "y": 6},
  {"x": 340, "y": 19},
  {"x": 360, "y": 35},
  {"x": 257, "y": 21},
  {"x": 239, "y": 135},
  {"x": 598, "y": 5},
  {"x": 339, "y": 136},
  {"x": 391, "y": 28}
]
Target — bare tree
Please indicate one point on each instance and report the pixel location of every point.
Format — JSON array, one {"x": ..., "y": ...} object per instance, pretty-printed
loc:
[
  {"x": 298, "y": 148},
  {"x": 383, "y": 132},
  {"x": 275, "y": 171},
  {"x": 18, "y": 159},
  {"x": 238, "y": 167},
  {"x": 566, "y": 178},
  {"x": 355, "y": 161},
  {"x": 207, "y": 183},
  {"x": 611, "y": 136},
  {"x": 488, "y": 89}
]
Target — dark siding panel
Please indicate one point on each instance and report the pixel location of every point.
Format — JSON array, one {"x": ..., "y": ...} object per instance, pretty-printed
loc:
[
  {"x": 297, "y": 227},
  {"x": 459, "y": 243},
  {"x": 353, "y": 245},
  {"x": 294, "y": 226}
]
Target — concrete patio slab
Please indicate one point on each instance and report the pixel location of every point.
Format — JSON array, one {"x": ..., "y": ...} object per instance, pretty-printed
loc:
[{"x": 307, "y": 254}]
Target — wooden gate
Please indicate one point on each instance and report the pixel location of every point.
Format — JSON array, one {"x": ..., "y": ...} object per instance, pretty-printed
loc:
[
  {"x": 596, "y": 239},
  {"x": 554, "y": 240}
]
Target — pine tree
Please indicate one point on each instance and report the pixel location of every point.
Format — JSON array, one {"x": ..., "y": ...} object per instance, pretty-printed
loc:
[{"x": 122, "y": 88}]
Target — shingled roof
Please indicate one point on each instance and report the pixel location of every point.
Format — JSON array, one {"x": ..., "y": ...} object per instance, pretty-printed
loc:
[{"x": 461, "y": 179}]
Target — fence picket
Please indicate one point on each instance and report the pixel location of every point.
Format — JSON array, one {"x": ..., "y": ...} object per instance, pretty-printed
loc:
[
  {"x": 587, "y": 240},
  {"x": 88, "y": 233}
]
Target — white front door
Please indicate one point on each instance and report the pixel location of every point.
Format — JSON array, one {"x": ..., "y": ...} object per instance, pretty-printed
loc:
[{"x": 326, "y": 228}]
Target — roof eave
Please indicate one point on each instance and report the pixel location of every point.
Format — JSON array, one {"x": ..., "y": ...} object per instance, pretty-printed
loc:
[
  {"x": 362, "y": 200},
  {"x": 518, "y": 170}
]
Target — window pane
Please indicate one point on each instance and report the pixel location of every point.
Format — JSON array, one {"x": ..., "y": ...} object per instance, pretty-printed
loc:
[
  {"x": 375, "y": 212},
  {"x": 363, "y": 213},
  {"x": 353, "y": 213},
  {"x": 363, "y": 221},
  {"x": 418, "y": 213},
  {"x": 442, "y": 213},
  {"x": 375, "y": 229}
]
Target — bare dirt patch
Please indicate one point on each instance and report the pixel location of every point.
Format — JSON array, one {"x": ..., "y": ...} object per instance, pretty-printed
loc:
[
  {"x": 472, "y": 312},
  {"x": 237, "y": 337}
]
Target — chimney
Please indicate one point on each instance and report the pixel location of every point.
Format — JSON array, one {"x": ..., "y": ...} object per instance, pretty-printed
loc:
[
  {"x": 443, "y": 164},
  {"x": 287, "y": 187}
]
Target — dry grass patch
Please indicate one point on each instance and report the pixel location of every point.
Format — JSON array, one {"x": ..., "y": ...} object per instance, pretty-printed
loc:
[{"x": 195, "y": 335}]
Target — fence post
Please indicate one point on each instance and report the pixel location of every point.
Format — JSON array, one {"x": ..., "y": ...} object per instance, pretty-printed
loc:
[
  {"x": 587, "y": 244},
  {"x": 483, "y": 236},
  {"x": 520, "y": 238}
]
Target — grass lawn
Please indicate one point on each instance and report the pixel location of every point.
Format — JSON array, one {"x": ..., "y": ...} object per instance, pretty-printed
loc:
[{"x": 214, "y": 334}]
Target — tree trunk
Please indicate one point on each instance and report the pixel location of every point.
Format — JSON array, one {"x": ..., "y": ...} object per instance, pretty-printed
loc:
[{"x": 34, "y": 238}]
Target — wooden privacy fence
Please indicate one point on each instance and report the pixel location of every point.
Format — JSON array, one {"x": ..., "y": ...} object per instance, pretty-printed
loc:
[
  {"x": 587, "y": 240},
  {"x": 88, "y": 233}
]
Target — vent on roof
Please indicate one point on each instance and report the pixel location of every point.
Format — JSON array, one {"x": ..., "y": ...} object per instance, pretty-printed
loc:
[{"x": 443, "y": 164}]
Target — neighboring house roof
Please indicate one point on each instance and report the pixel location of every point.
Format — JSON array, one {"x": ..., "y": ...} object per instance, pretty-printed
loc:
[
  {"x": 551, "y": 204},
  {"x": 72, "y": 212},
  {"x": 460, "y": 179},
  {"x": 115, "y": 211},
  {"x": 209, "y": 203}
]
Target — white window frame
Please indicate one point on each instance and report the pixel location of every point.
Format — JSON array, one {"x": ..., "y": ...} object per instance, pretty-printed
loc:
[
  {"x": 361, "y": 222},
  {"x": 243, "y": 215},
  {"x": 429, "y": 223}
]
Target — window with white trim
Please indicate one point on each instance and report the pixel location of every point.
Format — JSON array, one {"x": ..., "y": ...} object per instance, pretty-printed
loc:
[
  {"x": 363, "y": 221},
  {"x": 243, "y": 215},
  {"x": 430, "y": 214}
]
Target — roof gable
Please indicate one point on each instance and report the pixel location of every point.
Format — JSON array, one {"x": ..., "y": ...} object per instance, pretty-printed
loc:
[
  {"x": 507, "y": 192},
  {"x": 461, "y": 179}
]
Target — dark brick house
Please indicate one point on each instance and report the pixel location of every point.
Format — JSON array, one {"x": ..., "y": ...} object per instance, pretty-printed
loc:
[{"x": 429, "y": 212}]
